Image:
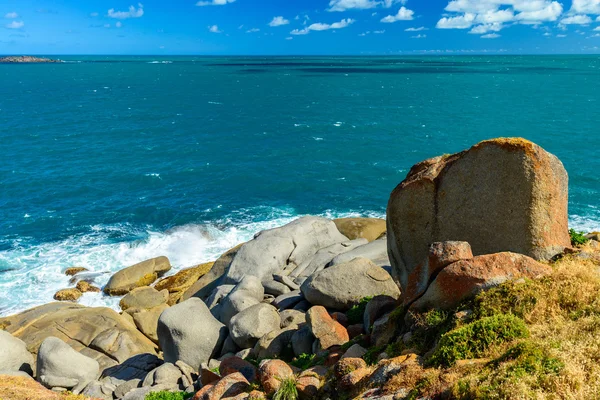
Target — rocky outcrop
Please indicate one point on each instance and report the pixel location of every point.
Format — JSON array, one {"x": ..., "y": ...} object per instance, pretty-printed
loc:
[
  {"x": 145, "y": 305},
  {"x": 59, "y": 366},
  {"x": 253, "y": 323},
  {"x": 68, "y": 295},
  {"x": 144, "y": 297},
  {"x": 361, "y": 228},
  {"x": 99, "y": 333},
  {"x": 375, "y": 251},
  {"x": 463, "y": 279},
  {"x": 283, "y": 249},
  {"x": 344, "y": 285},
  {"x": 500, "y": 195},
  {"x": 188, "y": 332},
  {"x": 14, "y": 355},
  {"x": 27, "y": 60},
  {"x": 326, "y": 330},
  {"x": 138, "y": 275},
  {"x": 182, "y": 281}
]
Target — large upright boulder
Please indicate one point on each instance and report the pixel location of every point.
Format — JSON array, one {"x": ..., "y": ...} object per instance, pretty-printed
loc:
[
  {"x": 504, "y": 194},
  {"x": 58, "y": 365},
  {"x": 342, "y": 286},
  {"x": 283, "y": 249},
  {"x": 96, "y": 332},
  {"x": 14, "y": 355},
  {"x": 188, "y": 332},
  {"x": 141, "y": 274}
]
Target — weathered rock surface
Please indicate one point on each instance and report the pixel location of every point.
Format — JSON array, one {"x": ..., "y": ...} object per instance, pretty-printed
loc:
[
  {"x": 466, "y": 278},
  {"x": 325, "y": 329},
  {"x": 292, "y": 317},
  {"x": 182, "y": 281},
  {"x": 188, "y": 332},
  {"x": 500, "y": 195},
  {"x": 375, "y": 251},
  {"x": 142, "y": 274},
  {"x": 302, "y": 341},
  {"x": 133, "y": 369},
  {"x": 85, "y": 287},
  {"x": 271, "y": 373},
  {"x": 283, "y": 249},
  {"x": 236, "y": 364},
  {"x": 361, "y": 228},
  {"x": 253, "y": 323},
  {"x": 247, "y": 293},
  {"x": 344, "y": 285},
  {"x": 275, "y": 344},
  {"x": 146, "y": 320},
  {"x": 227, "y": 388},
  {"x": 74, "y": 270},
  {"x": 14, "y": 355},
  {"x": 58, "y": 365},
  {"x": 441, "y": 254},
  {"x": 377, "y": 307},
  {"x": 71, "y": 294},
  {"x": 144, "y": 297},
  {"x": 99, "y": 333}
]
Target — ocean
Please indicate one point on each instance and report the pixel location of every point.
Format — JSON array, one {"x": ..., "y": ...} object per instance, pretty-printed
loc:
[{"x": 108, "y": 161}]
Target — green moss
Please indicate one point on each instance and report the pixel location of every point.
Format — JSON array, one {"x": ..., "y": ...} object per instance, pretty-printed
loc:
[
  {"x": 356, "y": 313},
  {"x": 472, "y": 340},
  {"x": 577, "y": 238},
  {"x": 428, "y": 328},
  {"x": 514, "y": 298},
  {"x": 169, "y": 396},
  {"x": 287, "y": 390},
  {"x": 530, "y": 359}
]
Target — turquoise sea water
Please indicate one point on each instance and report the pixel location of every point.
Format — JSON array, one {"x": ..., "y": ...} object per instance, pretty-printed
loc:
[{"x": 107, "y": 161}]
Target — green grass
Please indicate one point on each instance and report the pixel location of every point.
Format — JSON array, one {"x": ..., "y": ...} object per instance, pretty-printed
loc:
[
  {"x": 169, "y": 396},
  {"x": 577, "y": 238},
  {"x": 356, "y": 313},
  {"x": 287, "y": 390},
  {"x": 304, "y": 361},
  {"x": 472, "y": 340}
]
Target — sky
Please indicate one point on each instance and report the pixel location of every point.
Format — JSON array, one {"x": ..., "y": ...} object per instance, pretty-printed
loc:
[{"x": 299, "y": 27}]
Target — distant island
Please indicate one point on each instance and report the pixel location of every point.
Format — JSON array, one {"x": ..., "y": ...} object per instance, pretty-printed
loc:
[{"x": 27, "y": 59}]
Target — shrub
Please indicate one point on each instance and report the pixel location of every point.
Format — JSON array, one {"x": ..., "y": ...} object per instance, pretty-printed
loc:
[
  {"x": 304, "y": 361},
  {"x": 356, "y": 313},
  {"x": 472, "y": 340},
  {"x": 287, "y": 390},
  {"x": 577, "y": 238},
  {"x": 509, "y": 298},
  {"x": 169, "y": 396}
]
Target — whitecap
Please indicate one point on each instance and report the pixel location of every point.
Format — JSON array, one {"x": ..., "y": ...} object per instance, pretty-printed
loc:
[
  {"x": 318, "y": 139},
  {"x": 214, "y": 102}
]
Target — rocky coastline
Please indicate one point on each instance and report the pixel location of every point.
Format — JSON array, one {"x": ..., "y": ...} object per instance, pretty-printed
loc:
[
  {"x": 27, "y": 60},
  {"x": 446, "y": 298}
]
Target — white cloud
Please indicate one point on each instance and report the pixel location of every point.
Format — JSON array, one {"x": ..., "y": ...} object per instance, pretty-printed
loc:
[
  {"x": 419, "y": 36},
  {"x": 463, "y": 14},
  {"x": 253, "y": 30},
  {"x": 119, "y": 24},
  {"x": 576, "y": 20},
  {"x": 214, "y": 3},
  {"x": 379, "y": 32},
  {"x": 15, "y": 25},
  {"x": 289, "y": 38},
  {"x": 459, "y": 22},
  {"x": 279, "y": 21},
  {"x": 11, "y": 15},
  {"x": 94, "y": 14},
  {"x": 586, "y": 7},
  {"x": 343, "y": 5},
  {"x": 419, "y": 29},
  {"x": 561, "y": 36},
  {"x": 490, "y": 36},
  {"x": 323, "y": 27},
  {"x": 404, "y": 14},
  {"x": 214, "y": 29},
  {"x": 364, "y": 33},
  {"x": 131, "y": 13},
  {"x": 597, "y": 28},
  {"x": 485, "y": 28}
]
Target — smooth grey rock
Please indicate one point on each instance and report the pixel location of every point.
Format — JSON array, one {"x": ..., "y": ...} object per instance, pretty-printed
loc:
[
  {"x": 126, "y": 387},
  {"x": 58, "y": 365},
  {"x": 275, "y": 344},
  {"x": 376, "y": 251},
  {"x": 243, "y": 354},
  {"x": 218, "y": 295},
  {"x": 136, "y": 367},
  {"x": 141, "y": 393},
  {"x": 323, "y": 257},
  {"x": 167, "y": 374},
  {"x": 229, "y": 346},
  {"x": 275, "y": 288},
  {"x": 292, "y": 317},
  {"x": 20, "y": 374},
  {"x": 283, "y": 248},
  {"x": 286, "y": 280},
  {"x": 355, "y": 351},
  {"x": 288, "y": 300},
  {"x": 344, "y": 285},
  {"x": 188, "y": 332},
  {"x": 252, "y": 323},
  {"x": 303, "y": 306},
  {"x": 99, "y": 390},
  {"x": 383, "y": 331},
  {"x": 248, "y": 292},
  {"x": 302, "y": 341},
  {"x": 14, "y": 355}
]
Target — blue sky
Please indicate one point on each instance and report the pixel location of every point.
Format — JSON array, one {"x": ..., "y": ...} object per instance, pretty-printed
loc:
[{"x": 299, "y": 26}]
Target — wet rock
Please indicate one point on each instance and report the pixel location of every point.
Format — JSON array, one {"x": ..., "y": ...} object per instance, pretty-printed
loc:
[
  {"x": 74, "y": 271},
  {"x": 67, "y": 295},
  {"x": 86, "y": 287}
]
